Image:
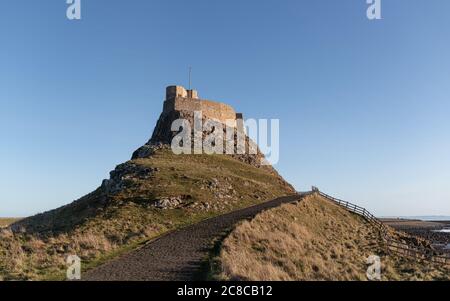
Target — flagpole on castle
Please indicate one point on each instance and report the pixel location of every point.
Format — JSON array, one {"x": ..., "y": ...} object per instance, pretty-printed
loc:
[{"x": 190, "y": 72}]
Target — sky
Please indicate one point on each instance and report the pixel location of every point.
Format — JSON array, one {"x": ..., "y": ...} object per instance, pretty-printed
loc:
[{"x": 363, "y": 105}]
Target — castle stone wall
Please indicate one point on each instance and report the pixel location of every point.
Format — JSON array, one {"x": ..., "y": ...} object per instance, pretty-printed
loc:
[
  {"x": 216, "y": 110},
  {"x": 177, "y": 100}
]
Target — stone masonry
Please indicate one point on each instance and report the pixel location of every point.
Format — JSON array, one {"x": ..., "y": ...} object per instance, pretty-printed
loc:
[
  {"x": 181, "y": 104},
  {"x": 180, "y": 99}
]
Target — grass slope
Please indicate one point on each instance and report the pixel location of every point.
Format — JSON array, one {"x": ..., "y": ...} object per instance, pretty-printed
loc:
[
  {"x": 99, "y": 227},
  {"x": 311, "y": 240}
]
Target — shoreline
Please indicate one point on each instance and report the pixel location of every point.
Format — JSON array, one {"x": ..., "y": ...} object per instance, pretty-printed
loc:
[{"x": 431, "y": 231}]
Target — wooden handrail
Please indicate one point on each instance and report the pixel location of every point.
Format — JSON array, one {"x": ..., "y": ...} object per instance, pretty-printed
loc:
[{"x": 395, "y": 246}]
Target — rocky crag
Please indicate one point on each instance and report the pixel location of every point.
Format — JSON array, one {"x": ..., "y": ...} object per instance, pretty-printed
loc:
[{"x": 183, "y": 104}]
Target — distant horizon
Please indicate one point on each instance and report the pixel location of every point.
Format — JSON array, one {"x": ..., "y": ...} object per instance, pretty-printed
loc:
[{"x": 422, "y": 217}]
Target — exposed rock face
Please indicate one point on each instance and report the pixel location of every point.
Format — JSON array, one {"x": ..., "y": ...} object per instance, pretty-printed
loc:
[
  {"x": 148, "y": 150},
  {"x": 124, "y": 175},
  {"x": 222, "y": 189},
  {"x": 162, "y": 136},
  {"x": 168, "y": 203},
  {"x": 172, "y": 202}
]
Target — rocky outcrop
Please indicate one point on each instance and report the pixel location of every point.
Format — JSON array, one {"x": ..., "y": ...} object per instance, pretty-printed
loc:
[
  {"x": 163, "y": 135},
  {"x": 171, "y": 202},
  {"x": 178, "y": 106},
  {"x": 124, "y": 176}
]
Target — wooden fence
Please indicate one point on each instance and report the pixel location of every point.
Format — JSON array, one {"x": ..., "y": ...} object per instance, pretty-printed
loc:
[{"x": 392, "y": 245}]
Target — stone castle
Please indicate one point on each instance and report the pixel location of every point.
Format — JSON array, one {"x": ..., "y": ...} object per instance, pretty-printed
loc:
[
  {"x": 181, "y": 104},
  {"x": 180, "y": 99}
]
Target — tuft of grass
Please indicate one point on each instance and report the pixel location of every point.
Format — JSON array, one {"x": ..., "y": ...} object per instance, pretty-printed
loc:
[{"x": 311, "y": 240}]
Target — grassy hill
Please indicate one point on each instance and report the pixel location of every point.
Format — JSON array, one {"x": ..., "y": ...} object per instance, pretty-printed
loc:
[
  {"x": 312, "y": 240},
  {"x": 144, "y": 198}
]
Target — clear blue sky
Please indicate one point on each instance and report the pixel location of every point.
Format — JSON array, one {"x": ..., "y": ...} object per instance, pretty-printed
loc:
[{"x": 363, "y": 106}]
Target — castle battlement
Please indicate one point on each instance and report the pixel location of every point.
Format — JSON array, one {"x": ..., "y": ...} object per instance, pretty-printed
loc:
[{"x": 179, "y": 91}]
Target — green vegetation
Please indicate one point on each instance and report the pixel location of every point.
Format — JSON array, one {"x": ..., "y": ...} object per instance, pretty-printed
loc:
[
  {"x": 312, "y": 240},
  {"x": 101, "y": 226}
]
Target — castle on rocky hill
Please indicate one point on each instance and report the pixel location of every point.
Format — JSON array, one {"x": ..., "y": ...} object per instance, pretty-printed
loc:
[
  {"x": 180, "y": 99},
  {"x": 181, "y": 104}
]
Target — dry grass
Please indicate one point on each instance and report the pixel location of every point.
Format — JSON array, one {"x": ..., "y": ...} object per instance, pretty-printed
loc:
[
  {"x": 6, "y": 221},
  {"x": 98, "y": 228},
  {"x": 311, "y": 240}
]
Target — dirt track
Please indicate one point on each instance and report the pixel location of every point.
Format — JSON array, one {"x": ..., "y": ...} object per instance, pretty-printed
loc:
[{"x": 178, "y": 255}]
